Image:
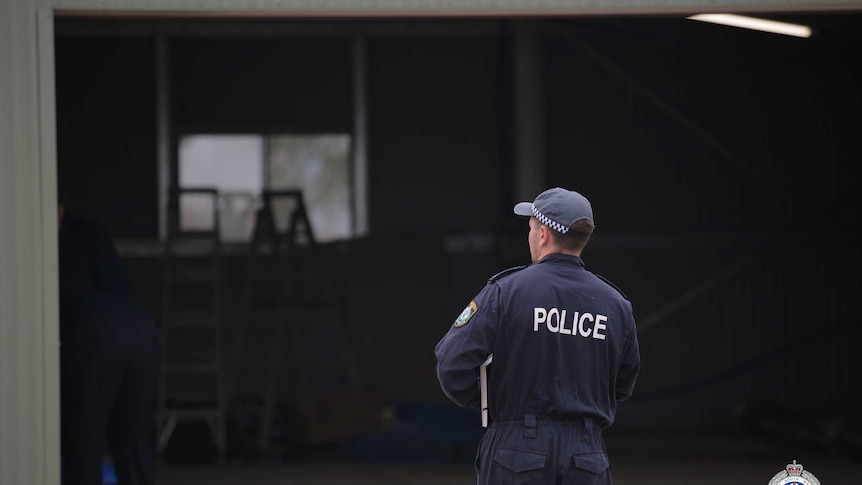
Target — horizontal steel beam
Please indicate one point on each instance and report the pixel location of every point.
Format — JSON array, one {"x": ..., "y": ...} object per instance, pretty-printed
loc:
[{"x": 434, "y": 8}]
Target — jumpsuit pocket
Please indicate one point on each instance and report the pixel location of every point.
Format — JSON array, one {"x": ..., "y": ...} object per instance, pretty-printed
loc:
[
  {"x": 588, "y": 468},
  {"x": 519, "y": 467},
  {"x": 592, "y": 462}
]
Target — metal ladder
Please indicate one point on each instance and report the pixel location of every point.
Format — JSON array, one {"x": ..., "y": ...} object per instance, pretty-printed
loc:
[
  {"x": 193, "y": 375},
  {"x": 272, "y": 302}
]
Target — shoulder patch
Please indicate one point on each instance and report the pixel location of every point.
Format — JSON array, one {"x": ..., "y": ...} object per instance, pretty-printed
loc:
[
  {"x": 468, "y": 312},
  {"x": 505, "y": 272},
  {"x": 612, "y": 285}
]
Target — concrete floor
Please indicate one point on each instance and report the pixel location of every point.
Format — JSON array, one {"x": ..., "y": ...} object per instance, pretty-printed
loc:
[
  {"x": 637, "y": 459},
  {"x": 714, "y": 472}
]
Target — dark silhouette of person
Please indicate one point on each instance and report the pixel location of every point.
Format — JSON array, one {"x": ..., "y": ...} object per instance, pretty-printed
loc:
[{"x": 110, "y": 357}]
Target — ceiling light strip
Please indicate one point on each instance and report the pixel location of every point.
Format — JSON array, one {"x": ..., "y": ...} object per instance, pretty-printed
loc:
[{"x": 754, "y": 24}]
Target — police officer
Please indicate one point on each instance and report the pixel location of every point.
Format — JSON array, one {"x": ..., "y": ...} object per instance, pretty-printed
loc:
[
  {"x": 110, "y": 355},
  {"x": 565, "y": 351}
]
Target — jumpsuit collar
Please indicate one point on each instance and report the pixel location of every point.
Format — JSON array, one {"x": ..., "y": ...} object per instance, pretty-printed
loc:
[{"x": 563, "y": 258}]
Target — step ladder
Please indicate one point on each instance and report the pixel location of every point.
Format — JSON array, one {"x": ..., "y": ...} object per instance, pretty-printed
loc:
[
  {"x": 193, "y": 374},
  {"x": 280, "y": 299}
]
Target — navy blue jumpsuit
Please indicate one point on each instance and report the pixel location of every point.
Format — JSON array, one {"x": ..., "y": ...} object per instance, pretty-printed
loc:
[{"x": 565, "y": 352}]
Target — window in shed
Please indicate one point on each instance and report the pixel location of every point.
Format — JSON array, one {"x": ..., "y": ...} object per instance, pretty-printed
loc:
[{"x": 241, "y": 166}]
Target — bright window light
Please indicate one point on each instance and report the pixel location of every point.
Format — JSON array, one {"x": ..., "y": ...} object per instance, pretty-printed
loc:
[
  {"x": 240, "y": 166},
  {"x": 755, "y": 24}
]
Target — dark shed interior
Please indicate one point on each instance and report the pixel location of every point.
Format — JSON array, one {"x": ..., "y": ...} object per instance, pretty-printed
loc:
[{"x": 720, "y": 164}]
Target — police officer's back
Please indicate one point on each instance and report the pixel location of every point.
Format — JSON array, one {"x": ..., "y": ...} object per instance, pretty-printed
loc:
[{"x": 564, "y": 348}]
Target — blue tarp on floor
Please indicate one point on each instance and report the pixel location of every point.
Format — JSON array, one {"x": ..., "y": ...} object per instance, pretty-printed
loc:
[{"x": 423, "y": 433}]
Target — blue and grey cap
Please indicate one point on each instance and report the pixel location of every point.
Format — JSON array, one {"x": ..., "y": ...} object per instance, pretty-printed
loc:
[{"x": 557, "y": 208}]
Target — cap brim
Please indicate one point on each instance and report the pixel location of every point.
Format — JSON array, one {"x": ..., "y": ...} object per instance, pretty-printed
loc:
[{"x": 524, "y": 208}]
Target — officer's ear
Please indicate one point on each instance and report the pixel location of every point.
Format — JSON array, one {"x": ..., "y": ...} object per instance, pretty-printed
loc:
[{"x": 545, "y": 234}]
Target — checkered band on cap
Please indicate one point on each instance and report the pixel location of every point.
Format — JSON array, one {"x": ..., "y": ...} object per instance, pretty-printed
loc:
[{"x": 548, "y": 222}]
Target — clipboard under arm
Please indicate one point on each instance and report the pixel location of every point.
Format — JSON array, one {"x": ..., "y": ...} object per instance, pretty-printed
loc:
[{"x": 483, "y": 389}]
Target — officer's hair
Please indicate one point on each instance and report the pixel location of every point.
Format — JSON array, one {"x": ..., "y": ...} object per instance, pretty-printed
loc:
[{"x": 577, "y": 236}]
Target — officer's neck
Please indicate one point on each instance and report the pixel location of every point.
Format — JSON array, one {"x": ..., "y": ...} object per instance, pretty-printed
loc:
[{"x": 547, "y": 251}]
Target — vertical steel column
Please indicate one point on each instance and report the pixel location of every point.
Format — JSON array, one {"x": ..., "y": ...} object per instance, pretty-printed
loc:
[
  {"x": 529, "y": 109},
  {"x": 359, "y": 139}
]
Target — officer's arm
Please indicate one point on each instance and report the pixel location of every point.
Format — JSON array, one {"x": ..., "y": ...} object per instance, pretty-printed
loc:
[
  {"x": 629, "y": 365},
  {"x": 466, "y": 346},
  {"x": 108, "y": 271}
]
